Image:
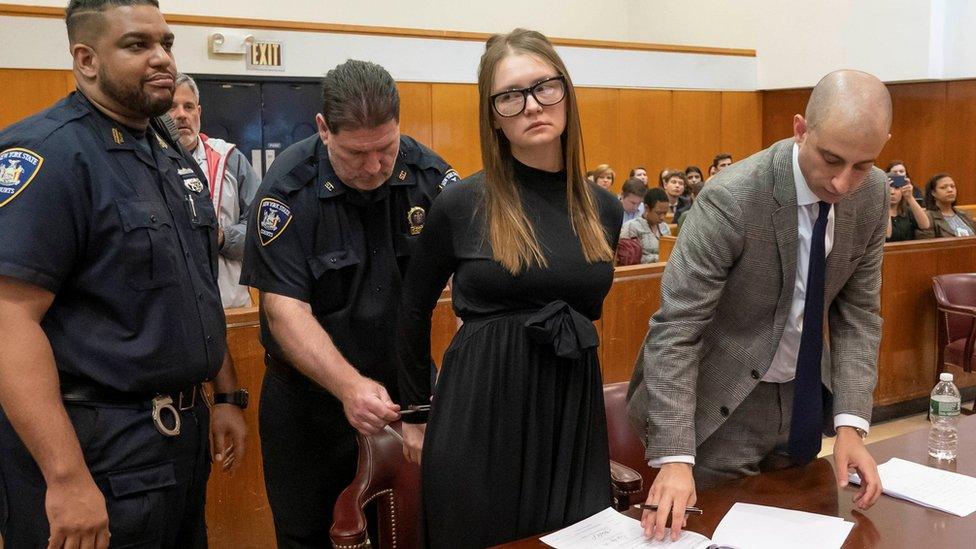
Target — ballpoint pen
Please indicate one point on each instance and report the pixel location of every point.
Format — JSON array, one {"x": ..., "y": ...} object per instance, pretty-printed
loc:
[{"x": 690, "y": 510}]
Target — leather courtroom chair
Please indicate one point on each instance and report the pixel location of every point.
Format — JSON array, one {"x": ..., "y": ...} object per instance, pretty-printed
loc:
[
  {"x": 955, "y": 297},
  {"x": 383, "y": 475},
  {"x": 626, "y": 450}
]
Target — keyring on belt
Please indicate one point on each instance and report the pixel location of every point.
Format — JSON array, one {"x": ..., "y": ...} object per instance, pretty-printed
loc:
[{"x": 160, "y": 403}]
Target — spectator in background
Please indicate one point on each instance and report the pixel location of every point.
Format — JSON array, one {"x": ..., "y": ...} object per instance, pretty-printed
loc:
[
  {"x": 897, "y": 167},
  {"x": 721, "y": 161},
  {"x": 675, "y": 185},
  {"x": 589, "y": 177},
  {"x": 650, "y": 226},
  {"x": 662, "y": 177},
  {"x": 695, "y": 180},
  {"x": 631, "y": 198},
  {"x": 232, "y": 183},
  {"x": 603, "y": 176},
  {"x": 905, "y": 215},
  {"x": 640, "y": 173},
  {"x": 940, "y": 204}
]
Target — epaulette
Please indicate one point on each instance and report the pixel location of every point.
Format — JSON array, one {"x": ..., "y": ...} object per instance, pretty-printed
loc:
[
  {"x": 34, "y": 130},
  {"x": 299, "y": 176},
  {"x": 300, "y": 162}
]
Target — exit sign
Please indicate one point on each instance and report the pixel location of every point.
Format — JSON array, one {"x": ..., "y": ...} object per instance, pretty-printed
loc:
[{"x": 265, "y": 55}]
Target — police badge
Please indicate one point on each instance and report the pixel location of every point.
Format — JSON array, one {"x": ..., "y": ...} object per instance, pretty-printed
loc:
[
  {"x": 416, "y": 218},
  {"x": 273, "y": 218},
  {"x": 17, "y": 169},
  {"x": 194, "y": 184}
]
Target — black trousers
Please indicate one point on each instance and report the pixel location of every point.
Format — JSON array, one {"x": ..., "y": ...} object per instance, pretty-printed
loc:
[
  {"x": 309, "y": 451},
  {"x": 154, "y": 485}
]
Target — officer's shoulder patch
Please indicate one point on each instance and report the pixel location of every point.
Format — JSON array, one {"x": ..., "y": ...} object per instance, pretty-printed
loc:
[
  {"x": 274, "y": 216},
  {"x": 18, "y": 167},
  {"x": 450, "y": 176}
]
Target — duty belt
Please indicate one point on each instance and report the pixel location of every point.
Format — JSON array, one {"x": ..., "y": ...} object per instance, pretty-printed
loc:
[{"x": 173, "y": 403}]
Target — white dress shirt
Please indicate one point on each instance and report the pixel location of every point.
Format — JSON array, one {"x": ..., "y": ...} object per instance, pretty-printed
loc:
[
  {"x": 630, "y": 216},
  {"x": 783, "y": 367}
]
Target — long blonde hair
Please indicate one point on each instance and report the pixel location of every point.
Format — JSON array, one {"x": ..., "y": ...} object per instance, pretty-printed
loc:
[{"x": 510, "y": 233}]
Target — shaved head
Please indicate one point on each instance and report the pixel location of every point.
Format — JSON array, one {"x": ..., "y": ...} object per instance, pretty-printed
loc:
[
  {"x": 844, "y": 129},
  {"x": 850, "y": 99}
]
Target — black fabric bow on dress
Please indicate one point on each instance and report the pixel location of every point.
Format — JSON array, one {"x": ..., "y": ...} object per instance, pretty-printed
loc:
[{"x": 563, "y": 327}]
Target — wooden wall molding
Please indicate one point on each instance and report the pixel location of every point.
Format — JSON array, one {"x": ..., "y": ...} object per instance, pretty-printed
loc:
[{"x": 18, "y": 10}]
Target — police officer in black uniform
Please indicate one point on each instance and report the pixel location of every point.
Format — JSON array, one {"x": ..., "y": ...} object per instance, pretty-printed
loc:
[
  {"x": 109, "y": 310},
  {"x": 329, "y": 240}
]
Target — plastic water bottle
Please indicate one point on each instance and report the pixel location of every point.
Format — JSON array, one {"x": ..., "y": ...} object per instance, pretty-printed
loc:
[{"x": 944, "y": 415}]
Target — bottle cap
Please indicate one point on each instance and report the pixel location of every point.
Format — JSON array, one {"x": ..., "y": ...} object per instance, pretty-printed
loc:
[{"x": 945, "y": 376}]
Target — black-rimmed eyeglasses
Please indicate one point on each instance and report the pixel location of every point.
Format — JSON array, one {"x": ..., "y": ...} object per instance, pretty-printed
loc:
[{"x": 546, "y": 93}]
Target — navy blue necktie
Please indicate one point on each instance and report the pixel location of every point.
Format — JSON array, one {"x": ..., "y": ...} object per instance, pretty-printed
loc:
[{"x": 806, "y": 427}]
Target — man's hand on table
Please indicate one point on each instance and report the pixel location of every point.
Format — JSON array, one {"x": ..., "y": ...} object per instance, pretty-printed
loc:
[
  {"x": 851, "y": 456},
  {"x": 672, "y": 491}
]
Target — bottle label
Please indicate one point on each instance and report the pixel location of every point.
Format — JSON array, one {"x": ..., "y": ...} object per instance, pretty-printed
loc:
[{"x": 943, "y": 408}]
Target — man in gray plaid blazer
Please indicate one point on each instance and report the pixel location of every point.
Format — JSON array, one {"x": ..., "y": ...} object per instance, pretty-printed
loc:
[{"x": 712, "y": 391}]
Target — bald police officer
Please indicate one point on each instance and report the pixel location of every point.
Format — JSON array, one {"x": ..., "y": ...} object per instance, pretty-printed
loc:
[
  {"x": 329, "y": 239},
  {"x": 109, "y": 306}
]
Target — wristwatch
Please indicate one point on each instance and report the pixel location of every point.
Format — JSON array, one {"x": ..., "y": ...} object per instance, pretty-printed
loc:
[
  {"x": 859, "y": 431},
  {"x": 238, "y": 398}
]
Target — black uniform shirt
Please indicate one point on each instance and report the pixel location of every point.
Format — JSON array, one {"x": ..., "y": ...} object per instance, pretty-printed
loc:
[
  {"x": 312, "y": 238},
  {"x": 119, "y": 226}
]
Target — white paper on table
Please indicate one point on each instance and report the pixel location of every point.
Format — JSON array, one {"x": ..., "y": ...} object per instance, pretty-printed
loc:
[
  {"x": 943, "y": 490},
  {"x": 762, "y": 527},
  {"x": 610, "y": 529}
]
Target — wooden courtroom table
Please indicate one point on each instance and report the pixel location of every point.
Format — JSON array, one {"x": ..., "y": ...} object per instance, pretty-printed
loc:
[{"x": 890, "y": 524}]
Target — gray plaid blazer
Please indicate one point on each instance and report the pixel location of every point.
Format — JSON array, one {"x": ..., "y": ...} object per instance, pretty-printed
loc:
[{"x": 726, "y": 293}]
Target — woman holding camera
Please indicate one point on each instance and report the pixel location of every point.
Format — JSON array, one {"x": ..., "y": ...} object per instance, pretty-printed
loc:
[
  {"x": 517, "y": 421},
  {"x": 905, "y": 214}
]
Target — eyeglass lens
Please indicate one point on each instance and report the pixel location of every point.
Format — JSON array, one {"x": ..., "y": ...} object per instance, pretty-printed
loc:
[{"x": 546, "y": 93}]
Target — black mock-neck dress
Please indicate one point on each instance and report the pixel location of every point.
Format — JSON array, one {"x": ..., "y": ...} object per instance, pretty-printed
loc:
[{"x": 516, "y": 442}]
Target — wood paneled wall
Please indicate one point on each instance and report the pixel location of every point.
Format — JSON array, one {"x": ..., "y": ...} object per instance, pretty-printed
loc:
[
  {"x": 622, "y": 127},
  {"x": 661, "y": 129},
  {"x": 24, "y": 92},
  {"x": 932, "y": 130}
]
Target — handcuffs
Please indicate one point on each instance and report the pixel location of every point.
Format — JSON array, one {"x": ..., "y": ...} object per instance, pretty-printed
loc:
[{"x": 164, "y": 403}]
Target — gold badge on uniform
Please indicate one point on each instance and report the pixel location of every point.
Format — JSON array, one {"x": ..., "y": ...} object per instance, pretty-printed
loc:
[
  {"x": 403, "y": 175},
  {"x": 117, "y": 136},
  {"x": 416, "y": 217}
]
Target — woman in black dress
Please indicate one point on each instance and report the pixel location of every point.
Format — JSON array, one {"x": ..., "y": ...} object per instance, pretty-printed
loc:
[{"x": 516, "y": 442}]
